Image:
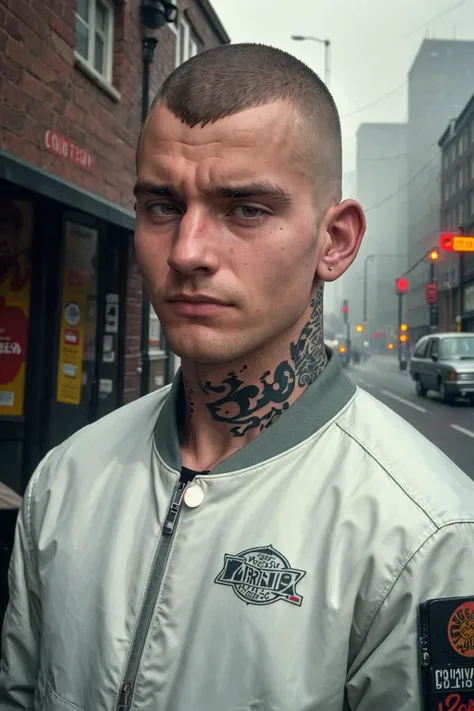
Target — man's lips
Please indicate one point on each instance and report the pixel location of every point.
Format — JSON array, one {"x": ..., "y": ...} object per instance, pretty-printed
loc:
[
  {"x": 197, "y": 305},
  {"x": 196, "y": 299}
]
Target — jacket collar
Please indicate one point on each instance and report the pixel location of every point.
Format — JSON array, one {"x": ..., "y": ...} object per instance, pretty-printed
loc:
[{"x": 317, "y": 406}]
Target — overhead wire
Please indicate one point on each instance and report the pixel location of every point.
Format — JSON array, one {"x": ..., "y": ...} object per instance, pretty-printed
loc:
[
  {"x": 375, "y": 101},
  {"x": 436, "y": 17},
  {"x": 397, "y": 192}
]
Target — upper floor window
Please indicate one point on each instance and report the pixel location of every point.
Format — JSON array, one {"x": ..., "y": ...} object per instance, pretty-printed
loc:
[
  {"x": 186, "y": 43},
  {"x": 94, "y": 34}
]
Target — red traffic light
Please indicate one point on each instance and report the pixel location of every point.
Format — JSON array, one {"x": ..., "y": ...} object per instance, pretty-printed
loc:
[
  {"x": 401, "y": 285},
  {"x": 345, "y": 309},
  {"x": 376, "y": 334},
  {"x": 447, "y": 242}
]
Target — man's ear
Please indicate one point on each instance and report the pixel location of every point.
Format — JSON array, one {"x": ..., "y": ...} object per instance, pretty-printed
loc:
[{"x": 342, "y": 230}]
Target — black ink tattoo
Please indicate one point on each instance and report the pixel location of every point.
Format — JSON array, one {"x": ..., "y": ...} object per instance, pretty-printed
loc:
[
  {"x": 189, "y": 396},
  {"x": 309, "y": 354},
  {"x": 249, "y": 406},
  {"x": 240, "y": 403}
]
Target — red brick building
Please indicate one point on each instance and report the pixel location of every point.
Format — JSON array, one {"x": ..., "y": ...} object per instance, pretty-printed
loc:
[{"x": 70, "y": 291}]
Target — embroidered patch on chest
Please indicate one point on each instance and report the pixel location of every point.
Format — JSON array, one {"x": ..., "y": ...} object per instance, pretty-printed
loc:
[{"x": 261, "y": 576}]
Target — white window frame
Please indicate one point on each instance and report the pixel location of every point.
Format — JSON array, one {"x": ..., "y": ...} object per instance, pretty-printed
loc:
[
  {"x": 108, "y": 39},
  {"x": 155, "y": 334},
  {"x": 190, "y": 42}
]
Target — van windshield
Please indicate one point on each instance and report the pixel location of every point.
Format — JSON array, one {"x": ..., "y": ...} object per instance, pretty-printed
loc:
[{"x": 461, "y": 348}]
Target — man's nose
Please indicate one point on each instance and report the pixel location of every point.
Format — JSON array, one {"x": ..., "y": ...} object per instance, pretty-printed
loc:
[{"x": 195, "y": 246}]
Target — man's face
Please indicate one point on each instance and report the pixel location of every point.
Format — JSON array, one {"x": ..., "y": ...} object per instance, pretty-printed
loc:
[{"x": 226, "y": 213}]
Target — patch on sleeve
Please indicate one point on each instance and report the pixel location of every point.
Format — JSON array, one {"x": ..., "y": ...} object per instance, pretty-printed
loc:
[{"x": 446, "y": 633}]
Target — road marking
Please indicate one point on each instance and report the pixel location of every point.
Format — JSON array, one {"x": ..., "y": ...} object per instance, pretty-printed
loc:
[
  {"x": 401, "y": 399},
  {"x": 463, "y": 430},
  {"x": 363, "y": 384}
]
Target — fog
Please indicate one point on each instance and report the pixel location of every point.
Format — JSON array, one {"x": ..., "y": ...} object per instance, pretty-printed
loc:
[{"x": 393, "y": 170}]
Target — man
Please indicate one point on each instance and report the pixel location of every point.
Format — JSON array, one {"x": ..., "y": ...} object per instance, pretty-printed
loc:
[{"x": 260, "y": 535}]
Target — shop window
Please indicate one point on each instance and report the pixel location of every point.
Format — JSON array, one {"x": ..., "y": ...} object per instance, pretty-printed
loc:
[
  {"x": 94, "y": 35},
  {"x": 186, "y": 43}
]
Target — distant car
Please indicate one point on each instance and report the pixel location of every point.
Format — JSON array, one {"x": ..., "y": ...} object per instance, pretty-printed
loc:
[{"x": 444, "y": 362}]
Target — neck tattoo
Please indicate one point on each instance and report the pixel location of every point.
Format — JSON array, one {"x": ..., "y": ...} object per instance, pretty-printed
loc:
[{"x": 249, "y": 406}]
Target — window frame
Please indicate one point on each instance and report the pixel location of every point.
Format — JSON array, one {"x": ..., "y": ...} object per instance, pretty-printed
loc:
[
  {"x": 190, "y": 40},
  {"x": 108, "y": 38},
  {"x": 155, "y": 347},
  {"x": 421, "y": 349}
]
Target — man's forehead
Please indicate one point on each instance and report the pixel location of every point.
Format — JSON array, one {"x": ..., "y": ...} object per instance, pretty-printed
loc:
[{"x": 274, "y": 123}]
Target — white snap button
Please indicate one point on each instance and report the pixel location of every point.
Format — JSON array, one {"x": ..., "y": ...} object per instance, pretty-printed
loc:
[{"x": 193, "y": 496}]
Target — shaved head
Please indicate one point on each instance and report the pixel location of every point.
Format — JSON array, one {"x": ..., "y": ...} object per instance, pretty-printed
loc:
[{"x": 232, "y": 78}]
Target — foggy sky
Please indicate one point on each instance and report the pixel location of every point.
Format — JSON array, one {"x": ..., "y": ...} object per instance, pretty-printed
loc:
[{"x": 374, "y": 43}]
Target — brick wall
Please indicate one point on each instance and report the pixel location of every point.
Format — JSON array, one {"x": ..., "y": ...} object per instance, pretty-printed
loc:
[{"x": 42, "y": 88}]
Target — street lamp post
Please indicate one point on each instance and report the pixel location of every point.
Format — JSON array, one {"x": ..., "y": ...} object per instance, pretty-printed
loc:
[
  {"x": 153, "y": 15},
  {"x": 327, "y": 52}
]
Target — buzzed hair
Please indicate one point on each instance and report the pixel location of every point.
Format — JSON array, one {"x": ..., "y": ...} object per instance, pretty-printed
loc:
[{"x": 228, "y": 79}]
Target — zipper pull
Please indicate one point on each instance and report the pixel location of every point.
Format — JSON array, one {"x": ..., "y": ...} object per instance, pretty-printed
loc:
[
  {"x": 125, "y": 697},
  {"x": 173, "y": 510}
]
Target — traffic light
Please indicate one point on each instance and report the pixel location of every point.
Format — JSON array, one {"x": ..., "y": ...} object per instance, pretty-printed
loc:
[
  {"x": 360, "y": 328},
  {"x": 403, "y": 338},
  {"x": 403, "y": 327},
  {"x": 401, "y": 285},
  {"x": 433, "y": 256},
  {"x": 376, "y": 334},
  {"x": 390, "y": 346},
  {"x": 447, "y": 242},
  {"x": 345, "y": 309}
]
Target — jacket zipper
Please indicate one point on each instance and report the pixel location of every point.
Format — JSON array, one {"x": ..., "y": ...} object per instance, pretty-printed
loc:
[{"x": 154, "y": 584}]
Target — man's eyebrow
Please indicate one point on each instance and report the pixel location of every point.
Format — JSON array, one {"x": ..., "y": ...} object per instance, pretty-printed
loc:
[
  {"x": 158, "y": 189},
  {"x": 251, "y": 190},
  {"x": 272, "y": 192}
]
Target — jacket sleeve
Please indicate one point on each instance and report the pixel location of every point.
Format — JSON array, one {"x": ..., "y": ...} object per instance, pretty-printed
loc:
[
  {"x": 385, "y": 673},
  {"x": 21, "y": 627}
]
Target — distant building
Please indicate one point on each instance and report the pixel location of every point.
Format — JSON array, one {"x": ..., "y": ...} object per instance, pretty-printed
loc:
[
  {"x": 457, "y": 211},
  {"x": 440, "y": 82},
  {"x": 380, "y": 177}
]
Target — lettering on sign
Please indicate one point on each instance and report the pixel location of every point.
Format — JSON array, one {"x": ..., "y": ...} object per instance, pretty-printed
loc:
[
  {"x": 453, "y": 703},
  {"x": 62, "y": 147},
  {"x": 454, "y": 678},
  {"x": 463, "y": 244}
]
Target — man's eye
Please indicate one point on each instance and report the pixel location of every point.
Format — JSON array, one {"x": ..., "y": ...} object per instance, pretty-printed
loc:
[
  {"x": 248, "y": 212},
  {"x": 163, "y": 209}
]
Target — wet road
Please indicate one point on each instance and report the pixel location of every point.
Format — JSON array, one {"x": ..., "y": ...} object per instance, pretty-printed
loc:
[{"x": 450, "y": 427}]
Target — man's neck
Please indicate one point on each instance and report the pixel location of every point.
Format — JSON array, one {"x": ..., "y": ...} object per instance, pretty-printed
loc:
[{"x": 228, "y": 406}]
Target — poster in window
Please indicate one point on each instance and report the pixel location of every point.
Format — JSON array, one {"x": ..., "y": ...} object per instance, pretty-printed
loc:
[
  {"x": 16, "y": 233},
  {"x": 78, "y": 311}
]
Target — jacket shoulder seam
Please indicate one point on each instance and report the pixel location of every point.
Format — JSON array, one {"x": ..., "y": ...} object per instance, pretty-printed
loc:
[
  {"x": 29, "y": 502},
  {"x": 399, "y": 572},
  {"x": 387, "y": 471}
]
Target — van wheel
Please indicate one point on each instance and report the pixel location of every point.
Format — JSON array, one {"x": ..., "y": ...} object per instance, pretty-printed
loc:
[
  {"x": 420, "y": 390},
  {"x": 444, "y": 395}
]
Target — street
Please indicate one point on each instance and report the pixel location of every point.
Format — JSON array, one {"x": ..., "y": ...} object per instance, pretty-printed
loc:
[{"x": 450, "y": 427}]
